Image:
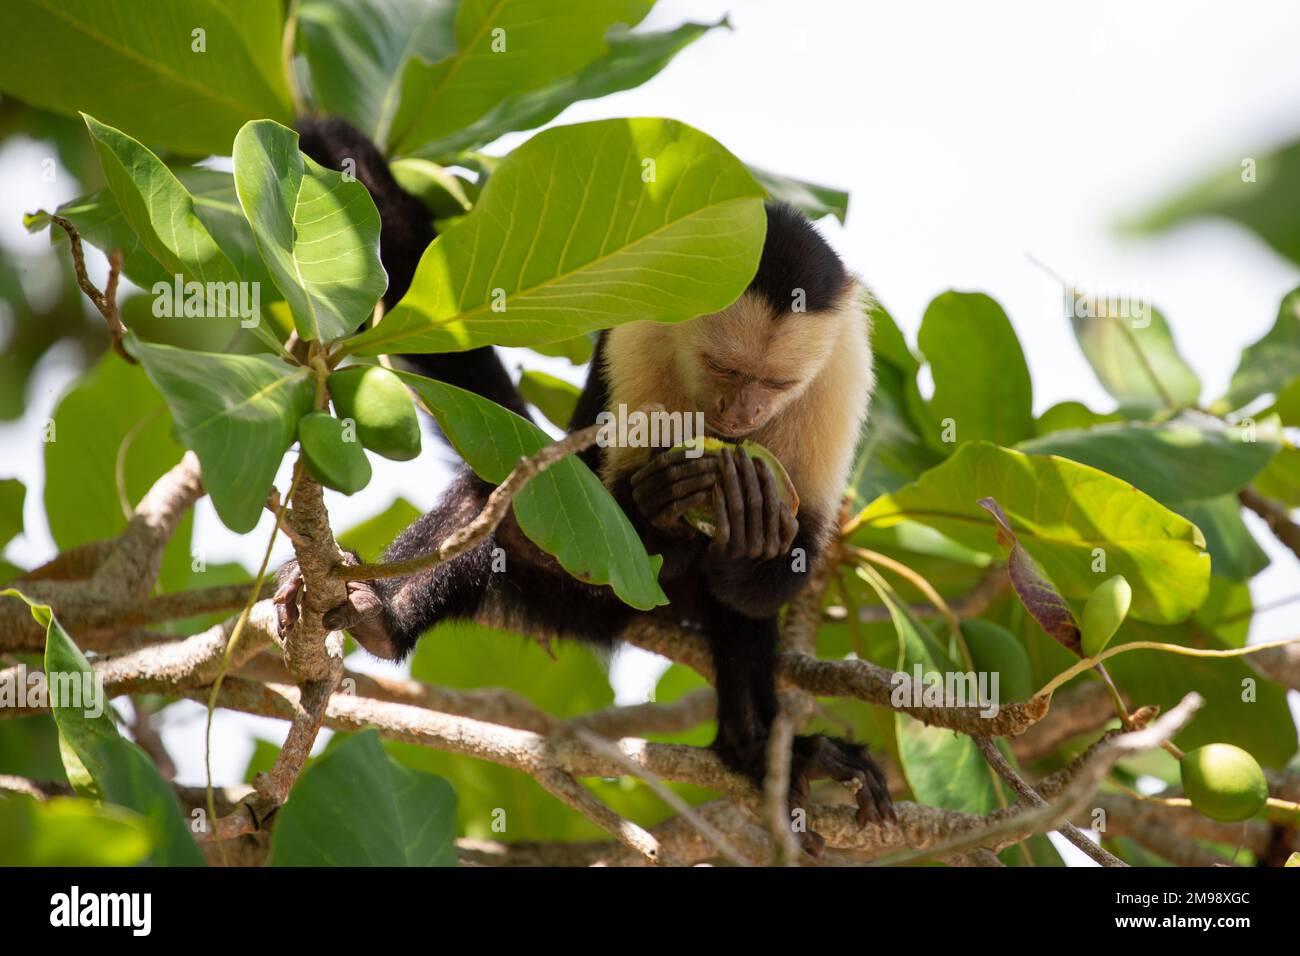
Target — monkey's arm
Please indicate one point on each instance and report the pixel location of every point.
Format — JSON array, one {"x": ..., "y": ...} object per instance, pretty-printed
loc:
[{"x": 750, "y": 564}]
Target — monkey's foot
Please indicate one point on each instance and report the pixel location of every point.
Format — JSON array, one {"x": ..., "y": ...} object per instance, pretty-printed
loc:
[
  {"x": 361, "y": 615},
  {"x": 818, "y": 757}
]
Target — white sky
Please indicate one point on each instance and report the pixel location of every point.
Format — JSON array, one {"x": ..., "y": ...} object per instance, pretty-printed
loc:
[{"x": 969, "y": 136}]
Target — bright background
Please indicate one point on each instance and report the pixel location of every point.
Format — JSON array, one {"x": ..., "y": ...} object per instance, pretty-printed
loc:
[{"x": 970, "y": 136}]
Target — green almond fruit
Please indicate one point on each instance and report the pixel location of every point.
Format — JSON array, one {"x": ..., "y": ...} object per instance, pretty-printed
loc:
[
  {"x": 705, "y": 519},
  {"x": 332, "y": 459},
  {"x": 1224, "y": 782},
  {"x": 1103, "y": 614},
  {"x": 382, "y": 407},
  {"x": 995, "y": 650}
]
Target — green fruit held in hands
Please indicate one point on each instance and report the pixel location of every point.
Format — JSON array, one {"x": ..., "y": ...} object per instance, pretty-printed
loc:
[
  {"x": 1224, "y": 782},
  {"x": 995, "y": 650},
  {"x": 332, "y": 459},
  {"x": 705, "y": 519},
  {"x": 380, "y": 404},
  {"x": 1103, "y": 614}
]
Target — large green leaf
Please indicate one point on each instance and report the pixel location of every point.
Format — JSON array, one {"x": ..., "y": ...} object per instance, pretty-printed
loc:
[
  {"x": 238, "y": 413},
  {"x": 1267, "y": 203},
  {"x": 1187, "y": 458},
  {"x": 981, "y": 381},
  {"x": 67, "y": 831},
  {"x": 1267, "y": 365},
  {"x": 317, "y": 230},
  {"x": 554, "y": 397},
  {"x": 568, "y": 237},
  {"x": 943, "y": 769},
  {"x": 109, "y": 442},
  {"x": 1067, "y": 516},
  {"x": 1281, "y": 479},
  {"x": 1133, "y": 355},
  {"x": 357, "y": 806},
  {"x": 357, "y": 49},
  {"x": 141, "y": 72},
  {"x": 632, "y": 59},
  {"x": 1234, "y": 553},
  {"x": 565, "y": 510},
  {"x": 503, "y": 47},
  {"x": 99, "y": 762}
]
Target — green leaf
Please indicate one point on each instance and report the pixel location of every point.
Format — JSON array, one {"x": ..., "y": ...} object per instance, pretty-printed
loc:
[
  {"x": 142, "y": 73},
  {"x": 1234, "y": 553},
  {"x": 357, "y": 49},
  {"x": 1064, "y": 416},
  {"x": 1133, "y": 355},
  {"x": 565, "y": 510},
  {"x": 12, "y": 493},
  {"x": 1265, "y": 203},
  {"x": 98, "y": 761},
  {"x": 356, "y": 806},
  {"x": 443, "y": 194},
  {"x": 943, "y": 769},
  {"x": 318, "y": 233},
  {"x": 981, "y": 381},
  {"x": 810, "y": 199},
  {"x": 1061, "y": 511},
  {"x": 1267, "y": 365},
  {"x": 578, "y": 350},
  {"x": 503, "y": 47},
  {"x": 65, "y": 831},
  {"x": 238, "y": 413},
  {"x": 1281, "y": 478},
  {"x": 632, "y": 59},
  {"x": 109, "y": 442},
  {"x": 995, "y": 650},
  {"x": 554, "y": 397},
  {"x": 567, "y": 238},
  {"x": 1187, "y": 458}
]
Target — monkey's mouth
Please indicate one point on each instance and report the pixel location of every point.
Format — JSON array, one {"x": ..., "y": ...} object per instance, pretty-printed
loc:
[{"x": 728, "y": 430}]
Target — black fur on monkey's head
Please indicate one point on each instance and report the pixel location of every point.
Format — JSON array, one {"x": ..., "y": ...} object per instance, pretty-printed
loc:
[{"x": 795, "y": 256}]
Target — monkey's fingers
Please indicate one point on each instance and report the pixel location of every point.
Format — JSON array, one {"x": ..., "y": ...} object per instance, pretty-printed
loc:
[
  {"x": 670, "y": 514},
  {"x": 658, "y": 498},
  {"x": 772, "y": 536},
  {"x": 286, "y": 601},
  {"x": 789, "y": 529},
  {"x": 734, "y": 502},
  {"x": 718, "y": 547},
  {"x": 362, "y": 616},
  {"x": 753, "y": 504},
  {"x": 677, "y": 463}
]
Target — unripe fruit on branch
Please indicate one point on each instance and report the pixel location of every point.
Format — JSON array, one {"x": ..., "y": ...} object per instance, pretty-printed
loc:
[
  {"x": 331, "y": 459},
  {"x": 1103, "y": 614},
  {"x": 380, "y": 404},
  {"x": 1224, "y": 782},
  {"x": 705, "y": 519}
]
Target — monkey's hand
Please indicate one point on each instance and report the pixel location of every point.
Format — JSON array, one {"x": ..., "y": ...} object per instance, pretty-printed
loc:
[
  {"x": 753, "y": 522},
  {"x": 361, "y": 615},
  {"x": 819, "y": 757},
  {"x": 671, "y": 484}
]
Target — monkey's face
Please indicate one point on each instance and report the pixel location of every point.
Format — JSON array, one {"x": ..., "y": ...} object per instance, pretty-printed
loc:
[{"x": 746, "y": 364}]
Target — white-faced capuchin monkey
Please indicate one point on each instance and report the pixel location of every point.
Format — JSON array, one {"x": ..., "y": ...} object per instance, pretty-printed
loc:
[{"x": 794, "y": 380}]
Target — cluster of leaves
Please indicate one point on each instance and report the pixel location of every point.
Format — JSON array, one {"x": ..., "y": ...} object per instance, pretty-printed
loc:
[{"x": 581, "y": 228}]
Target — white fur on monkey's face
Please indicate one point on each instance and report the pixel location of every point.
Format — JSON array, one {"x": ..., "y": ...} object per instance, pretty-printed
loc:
[{"x": 744, "y": 365}]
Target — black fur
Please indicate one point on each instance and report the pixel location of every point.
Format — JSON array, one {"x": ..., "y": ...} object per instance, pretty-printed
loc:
[
  {"x": 795, "y": 256},
  {"x": 734, "y": 601}
]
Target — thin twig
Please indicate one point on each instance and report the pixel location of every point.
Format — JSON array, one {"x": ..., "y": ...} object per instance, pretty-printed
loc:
[{"x": 106, "y": 301}]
